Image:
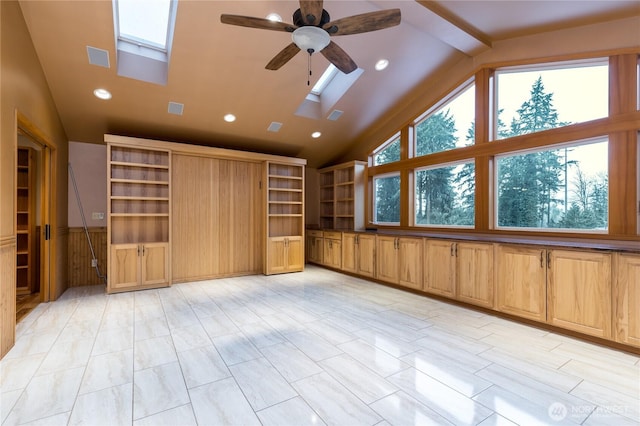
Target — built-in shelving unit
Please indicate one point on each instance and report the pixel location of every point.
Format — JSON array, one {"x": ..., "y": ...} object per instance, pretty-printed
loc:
[
  {"x": 342, "y": 196},
  {"x": 25, "y": 221},
  {"x": 285, "y": 218},
  {"x": 138, "y": 217}
]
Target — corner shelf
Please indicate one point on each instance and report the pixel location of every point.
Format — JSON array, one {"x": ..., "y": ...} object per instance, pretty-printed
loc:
[{"x": 342, "y": 189}]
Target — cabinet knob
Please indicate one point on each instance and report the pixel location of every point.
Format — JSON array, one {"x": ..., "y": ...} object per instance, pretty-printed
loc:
[{"x": 541, "y": 259}]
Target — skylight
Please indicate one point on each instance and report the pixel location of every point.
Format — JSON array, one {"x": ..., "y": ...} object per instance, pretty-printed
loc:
[
  {"x": 324, "y": 80},
  {"x": 145, "y": 22}
]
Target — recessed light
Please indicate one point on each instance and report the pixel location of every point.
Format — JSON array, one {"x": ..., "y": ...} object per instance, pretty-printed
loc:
[
  {"x": 381, "y": 64},
  {"x": 102, "y": 94},
  {"x": 274, "y": 17},
  {"x": 229, "y": 118},
  {"x": 316, "y": 135}
]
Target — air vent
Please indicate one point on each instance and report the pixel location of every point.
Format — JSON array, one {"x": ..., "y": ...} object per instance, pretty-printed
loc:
[
  {"x": 335, "y": 114},
  {"x": 175, "y": 108},
  {"x": 274, "y": 126},
  {"x": 98, "y": 57}
]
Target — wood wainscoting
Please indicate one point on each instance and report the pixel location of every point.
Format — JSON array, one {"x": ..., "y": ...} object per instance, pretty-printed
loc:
[
  {"x": 81, "y": 273},
  {"x": 7, "y": 294}
]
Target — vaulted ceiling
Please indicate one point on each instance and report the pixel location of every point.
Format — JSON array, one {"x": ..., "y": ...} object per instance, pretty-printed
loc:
[{"x": 216, "y": 69}]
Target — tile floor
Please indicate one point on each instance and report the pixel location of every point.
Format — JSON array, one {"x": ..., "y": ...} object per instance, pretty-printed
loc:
[{"x": 310, "y": 348}]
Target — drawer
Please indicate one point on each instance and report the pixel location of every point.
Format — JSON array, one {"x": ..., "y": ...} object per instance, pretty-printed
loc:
[
  {"x": 314, "y": 233},
  {"x": 333, "y": 235}
]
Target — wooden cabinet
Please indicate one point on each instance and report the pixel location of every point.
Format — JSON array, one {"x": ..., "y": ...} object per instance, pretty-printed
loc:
[
  {"x": 579, "y": 291},
  {"x": 138, "y": 217},
  {"x": 285, "y": 218},
  {"x": 285, "y": 254},
  {"x": 25, "y": 221},
  {"x": 332, "y": 251},
  {"x": 460, "y": 270},
  {"x": 626, "y": 299},
  {"x": 315, "y": 246},
  {"x": 358, "y": 254},
  {"x": 440, "y": 268},
  {"x": 399, "y": 260},
  {"x": 475, "y": 274},
  {"x": 521, "y": 281},
  {"x": 139, "y": 265},
  {"x": 342, "y": 189}
]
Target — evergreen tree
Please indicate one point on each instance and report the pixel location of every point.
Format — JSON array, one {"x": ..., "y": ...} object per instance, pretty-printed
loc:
[{"x": 388, "y": 190}]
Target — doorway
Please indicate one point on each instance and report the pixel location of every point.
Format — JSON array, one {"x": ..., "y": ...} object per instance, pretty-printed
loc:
[{"x": 33, "y": 222}]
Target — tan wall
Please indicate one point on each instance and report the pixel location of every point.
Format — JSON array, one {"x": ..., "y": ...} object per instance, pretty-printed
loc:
[
  {"x": 89, "y": 162},
  {"x": 23, "y": 88},
  {"x": 613, "y": 36}
]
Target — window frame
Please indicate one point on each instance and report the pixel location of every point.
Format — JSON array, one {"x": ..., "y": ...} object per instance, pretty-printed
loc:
[
  {"x": 396, "y": 137},
  {"x": 374, "y": 197}
]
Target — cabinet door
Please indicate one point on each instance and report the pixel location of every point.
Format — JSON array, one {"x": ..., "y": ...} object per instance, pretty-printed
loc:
[
  {"x": 626, "y": 295},
  {"x": 332, "y": 253},
  {"x": 521, "y": 285},
  {"x": 155, "y": 264},
  {"x": 349, "y": 252},
  {"x": 276, "y": 253},
  {"x": 124, "y": 271},
  {"x": 294, "y": 254},
  {"x": 580, "y": 291},
  {"x": 315, "y": 249},
  {"x": 366, "y": 255},
  {"x": 387, "y": 259},
  {"x": 440, "y": 272},
  {"x": 410, "y": 262},
  {"x": 474, "y": 273}
]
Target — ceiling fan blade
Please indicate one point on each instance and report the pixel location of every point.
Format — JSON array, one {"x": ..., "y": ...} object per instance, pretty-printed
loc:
[
  {"x": 283, "y": 57},
  {"x": 260, "y": 23},
  {"x": 311, "y": 11},
  {"x": 364, "y": 23},
  {"x": 339, "y": 58}
]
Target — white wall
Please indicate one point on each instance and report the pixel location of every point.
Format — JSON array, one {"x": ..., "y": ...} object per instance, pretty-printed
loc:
[{"x": 89, "y": 163}]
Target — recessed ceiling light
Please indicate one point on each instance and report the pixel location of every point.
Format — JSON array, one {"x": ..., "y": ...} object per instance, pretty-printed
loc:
[
  {"x": 102, "y": 94},
  {"x": 274, "y": 17},
  {"x": 382, "y": 64},
  {"x": 229, "y": 118},
  {"x": 316, "y": 135}
]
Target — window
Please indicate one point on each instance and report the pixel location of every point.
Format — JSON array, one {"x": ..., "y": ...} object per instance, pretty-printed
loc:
[
  {"x": 145, "y": 21},
  {"x": 531, "y": 100},
  {"x": 444, "y": 195},
  {"x": 324, "y": 80},
  {"x": 389, "y": 153},
  {"x": 565, "y": 188},
  {"x": 386, "y": 207},
  {"x": 450, "y": 126}
]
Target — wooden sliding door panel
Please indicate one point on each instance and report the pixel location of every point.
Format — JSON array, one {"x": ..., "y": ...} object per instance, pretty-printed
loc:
[{"x": 192, "y": 225}]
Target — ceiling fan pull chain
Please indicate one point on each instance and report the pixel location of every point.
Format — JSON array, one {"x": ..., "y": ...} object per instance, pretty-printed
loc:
[{"x": 309, "y": 67}]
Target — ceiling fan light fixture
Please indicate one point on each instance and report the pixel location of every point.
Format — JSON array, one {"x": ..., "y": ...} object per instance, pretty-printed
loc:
[{"x": 311, "y": 39}]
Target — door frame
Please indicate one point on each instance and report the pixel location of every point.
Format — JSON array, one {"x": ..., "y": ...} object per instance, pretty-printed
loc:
[{"x": 48, "y": 191}]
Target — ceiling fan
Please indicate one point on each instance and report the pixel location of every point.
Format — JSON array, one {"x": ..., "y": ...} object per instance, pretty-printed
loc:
[{"x": 312, "y": 28}]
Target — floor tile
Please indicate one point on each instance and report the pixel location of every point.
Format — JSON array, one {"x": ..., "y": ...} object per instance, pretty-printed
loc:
[
  {"x": 108, "y": 370},
  {"x": 218, "y": 324},
  {"x": 290, "y": 361},
  {"x": 111, "y": 406},
  {"x": 16, "y": 372},
  {"x": 235, "y": 348},
  {"x": 157, "y": 389},
  {"x": 113, "y": 340},
  {"x": 448, "y": 403},
  {"x": 261, "y": 384},
  {"x": 65, "y": 355},
  {"x": 222, "y": 403},
  {"x": 291, "y": 412},
  {"x": 7, "y": 401},
  {"x": 153, "y": 352},
  {"x": 609, "y": 400},
  {"x": 361, "y": 381},
  {"x": 373, "y": 358},
  {"x": 401, "y": 409},
  {"x": 333, "y": 402},
  {"x": 202, "y": 365},
  {"x": 314, "y": 346},
  {"x": 182, "y": 416},
  {"x": 190, "y": 337},
  {"x": 261, "y": 335},
  {"x": 151, "y": 328}
]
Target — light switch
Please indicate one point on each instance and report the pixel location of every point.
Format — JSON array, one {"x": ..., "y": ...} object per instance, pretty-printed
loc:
[{"x": 97, "y": 216}]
